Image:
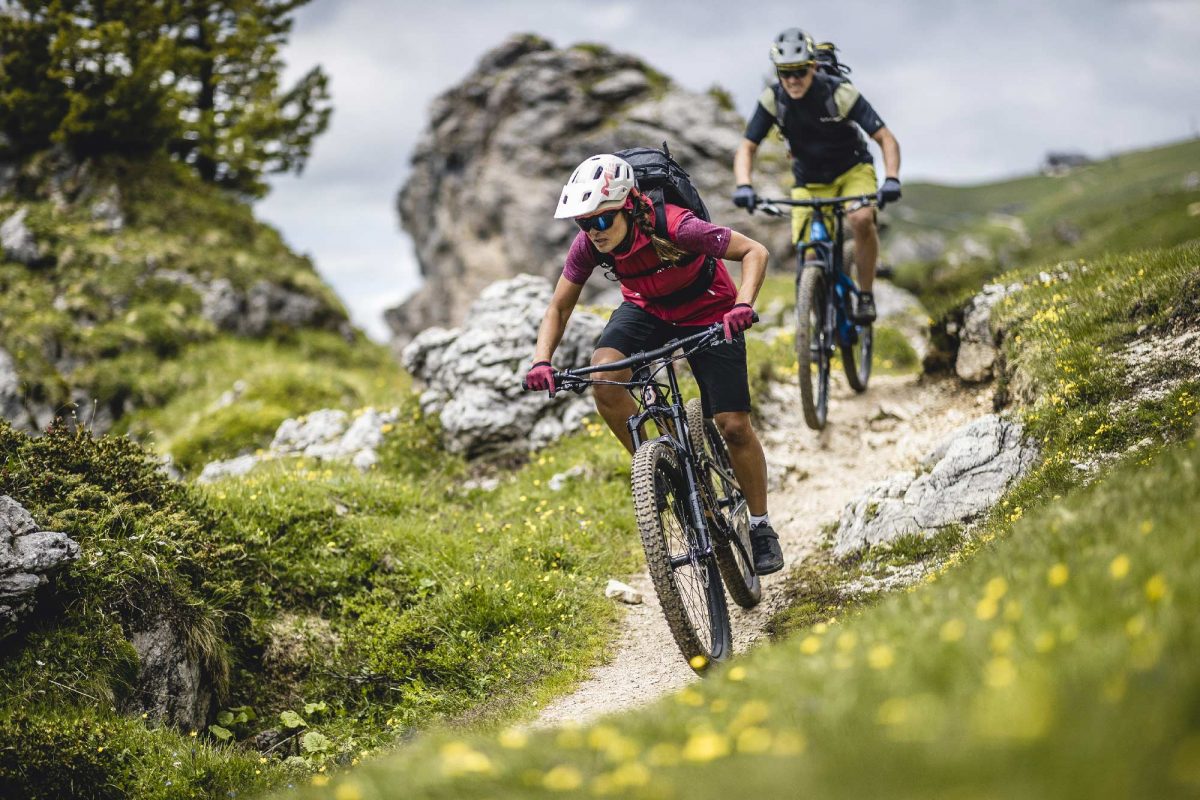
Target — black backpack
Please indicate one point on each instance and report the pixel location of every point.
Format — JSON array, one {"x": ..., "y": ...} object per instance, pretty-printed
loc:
[
  {"x": 825, "y": 54},
  {"x": 659, "y": 177}
]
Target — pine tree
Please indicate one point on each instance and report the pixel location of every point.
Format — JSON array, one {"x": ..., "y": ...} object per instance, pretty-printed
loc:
[
  {"x": 237, "y": 125},
  {"x": 197, "y": 78}
]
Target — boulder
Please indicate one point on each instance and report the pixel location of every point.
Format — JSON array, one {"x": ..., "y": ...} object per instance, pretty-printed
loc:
[
  {"x": 978, "y": 343},
  {"x": 489, "y": 167},
  {"x": 28, "y": 557},
  {"x": 173, "y": 685},
  {"x": 474, "y": 373},
  {"x": 958, "y": 482}
]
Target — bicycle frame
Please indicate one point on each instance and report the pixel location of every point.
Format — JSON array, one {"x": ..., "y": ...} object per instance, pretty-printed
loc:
[
  {"x": 831, "y": 257},
  {"x": 668, "y": 414}
]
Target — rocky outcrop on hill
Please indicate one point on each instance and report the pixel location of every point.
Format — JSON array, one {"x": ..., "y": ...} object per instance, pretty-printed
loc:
[
  {"x": 488, "y": 170},
  {"x": 28, "y": 557},
  {"x": 474, "y": 373},
  {"x": 959, "y": 480},
  {"x": 259, "y": 309},
  {"x": 99, "y": 260}
]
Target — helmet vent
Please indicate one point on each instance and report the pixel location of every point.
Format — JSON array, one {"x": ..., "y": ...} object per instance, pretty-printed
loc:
[
  {"x": 586, "y": 196},
  {"x": 599, "y": 172}
]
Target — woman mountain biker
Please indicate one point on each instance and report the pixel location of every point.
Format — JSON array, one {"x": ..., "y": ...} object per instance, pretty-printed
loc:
[{"x": 671, "y": 288}]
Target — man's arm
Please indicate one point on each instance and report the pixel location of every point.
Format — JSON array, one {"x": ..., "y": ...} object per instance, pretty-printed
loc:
[
  {"x": 891, "y": 152},
  {"x": 550, "y": 332},
  {"x": 754, "y": 265},
  {"x": 743, "y": 162}
]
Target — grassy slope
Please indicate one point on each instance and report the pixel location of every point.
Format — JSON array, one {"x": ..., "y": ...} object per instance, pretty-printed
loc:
[
  {"x": 1133, "y": 200},
  {"x": 1053, "y": 654}
]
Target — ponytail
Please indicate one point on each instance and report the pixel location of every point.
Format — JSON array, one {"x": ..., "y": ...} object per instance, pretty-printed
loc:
[{"x": 642, "y": 215}]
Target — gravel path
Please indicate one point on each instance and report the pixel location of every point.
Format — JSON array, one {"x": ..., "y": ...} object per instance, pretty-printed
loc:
[{"x": 812, "y": 476}]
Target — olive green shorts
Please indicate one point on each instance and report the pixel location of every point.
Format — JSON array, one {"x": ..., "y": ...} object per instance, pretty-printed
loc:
[{"x": 859, "y": 179}]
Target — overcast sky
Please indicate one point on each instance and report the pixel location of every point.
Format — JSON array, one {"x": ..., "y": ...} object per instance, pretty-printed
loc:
[{"x": 974, "y": 91}]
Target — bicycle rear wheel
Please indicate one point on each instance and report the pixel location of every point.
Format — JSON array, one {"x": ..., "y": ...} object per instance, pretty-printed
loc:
[
  {"x": 734, "y": 558},
  {"x": 812, "y": 354},
  {"x": 688, "y": 586}
]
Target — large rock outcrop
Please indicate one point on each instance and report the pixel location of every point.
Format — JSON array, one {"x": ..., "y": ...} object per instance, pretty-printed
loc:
[
  {"x": 488, "y": 170},
  {"x": 28, "y": 556},
  {"x": 959, "y": 480},
  {"x": 474, "y": 373}
]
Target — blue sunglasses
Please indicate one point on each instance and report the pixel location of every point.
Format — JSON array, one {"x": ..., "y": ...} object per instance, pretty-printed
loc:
[{"x": 600, "y": 222}]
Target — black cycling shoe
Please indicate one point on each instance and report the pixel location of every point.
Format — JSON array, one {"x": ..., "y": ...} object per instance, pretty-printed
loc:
[
  {"x": 768, "y": 557},
  {"x": 864, "y": 309}
]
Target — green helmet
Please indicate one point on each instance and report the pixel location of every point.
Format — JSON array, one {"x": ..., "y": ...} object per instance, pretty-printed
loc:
[{"x": 792, "y": 48}]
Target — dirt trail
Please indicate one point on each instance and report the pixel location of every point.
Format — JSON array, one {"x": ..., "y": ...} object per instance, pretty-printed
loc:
[{"x": 813, "y": 476}]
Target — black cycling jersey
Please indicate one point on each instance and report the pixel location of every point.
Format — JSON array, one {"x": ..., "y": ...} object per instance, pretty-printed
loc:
[{"x": 817, "y": 127}]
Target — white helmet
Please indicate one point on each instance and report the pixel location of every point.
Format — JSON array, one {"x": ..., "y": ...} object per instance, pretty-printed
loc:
[{"x": 600, "y": 183}]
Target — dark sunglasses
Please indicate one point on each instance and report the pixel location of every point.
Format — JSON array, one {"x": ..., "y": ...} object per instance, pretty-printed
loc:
[
  {"x": 799, "y": 72},
  {"x": 600, "y": 222}
]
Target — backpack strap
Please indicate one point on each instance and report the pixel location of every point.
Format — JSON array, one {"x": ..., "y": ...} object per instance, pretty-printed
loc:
[
  {"x": 660, "y": 229},
  {"x": 780, "y": 109}
]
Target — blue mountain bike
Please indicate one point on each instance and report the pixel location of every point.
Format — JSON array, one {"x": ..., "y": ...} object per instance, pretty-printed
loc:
[{"x": 823, "y": 301}]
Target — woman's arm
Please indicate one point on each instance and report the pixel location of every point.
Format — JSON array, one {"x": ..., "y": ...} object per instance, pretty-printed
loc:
[
  {"x": 754, "y": 265},
  {"x": 550, "y": 332}
]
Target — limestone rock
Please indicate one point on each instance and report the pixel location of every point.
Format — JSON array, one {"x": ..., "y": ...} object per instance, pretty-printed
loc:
[
  {"x": 474, "y": 373},
  {"x": 978, "y": 346},
  {"x": 328, "y": 434},
  {"x": 172, "y": 684},
  {"x": 959, "y": 481},
  {"x": 255, "y": 311},
  {"x": 28, "y": 557},
  {"x": 489, "y": 167},
  {"x": 106, "y": 210},
  {"x": 17, "y": 240}
]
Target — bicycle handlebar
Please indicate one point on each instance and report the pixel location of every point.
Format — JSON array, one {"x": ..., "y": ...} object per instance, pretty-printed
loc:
[
  {"x": 575, "y": 376},
  {"x": 771, "y": 206}
]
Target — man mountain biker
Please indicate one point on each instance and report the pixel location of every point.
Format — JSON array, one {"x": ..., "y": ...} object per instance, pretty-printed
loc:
[
  {"x": 671, "y": 287},
  {"x": 814, "y": 111}
]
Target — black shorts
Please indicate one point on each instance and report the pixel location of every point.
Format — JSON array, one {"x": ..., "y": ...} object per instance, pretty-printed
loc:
[{"x": 720, "y": 371}]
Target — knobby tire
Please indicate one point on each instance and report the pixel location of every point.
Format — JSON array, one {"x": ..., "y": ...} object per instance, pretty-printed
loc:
[
  {"x": 736, "y": 565},
  {"x": 691, "y": 596}
]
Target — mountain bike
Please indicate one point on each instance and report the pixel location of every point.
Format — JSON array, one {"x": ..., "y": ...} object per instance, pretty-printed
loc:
[
  {"x": 691, "y": 512},
  {"x": 823, "y": 292}
]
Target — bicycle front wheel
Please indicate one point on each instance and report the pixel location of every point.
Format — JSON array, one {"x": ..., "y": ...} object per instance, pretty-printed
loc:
[
  {"x": 688, "y": 585},
  {"x": 812, "y": 354},
  {"x": 735, "y": 555}
]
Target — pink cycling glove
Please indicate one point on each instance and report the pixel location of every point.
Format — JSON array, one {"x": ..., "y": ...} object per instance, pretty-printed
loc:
[
  {"x": 738, "y": 319},
  {"x": 540, "y": 377}
]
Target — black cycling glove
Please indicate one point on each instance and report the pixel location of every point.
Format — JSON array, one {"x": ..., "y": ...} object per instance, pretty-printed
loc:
[
  {"x": 745, "y": 197},
  {"x": 889, "y": 192}
]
